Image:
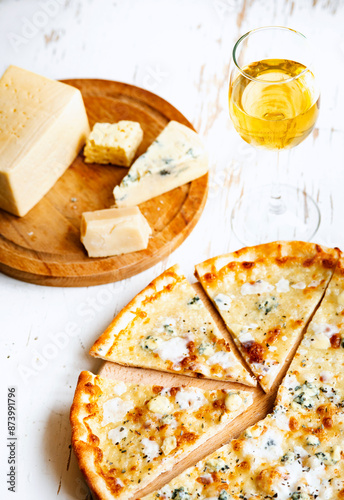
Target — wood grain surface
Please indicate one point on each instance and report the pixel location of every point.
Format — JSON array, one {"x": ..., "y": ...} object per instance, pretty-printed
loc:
[
  {"x": 262, "y": 403},
  {"x": 44, "y": 246}
]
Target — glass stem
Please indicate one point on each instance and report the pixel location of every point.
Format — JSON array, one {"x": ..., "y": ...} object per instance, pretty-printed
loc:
[{"x": 276, "y": 204}]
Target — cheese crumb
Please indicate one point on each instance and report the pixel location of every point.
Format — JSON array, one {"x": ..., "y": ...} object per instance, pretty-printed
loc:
[
  {"x": 174, "y": 350},
  {"x": 282, "y": 286},
  {"x": 116, "y": 435},
  {"x": 115, "y": 410},
  {"x": 151, "y": 449},
  {"x": 260, "y": 286},
  {"x": 233, "y": 401},
  {"x": 160, "y": 404},
  {"x": 190, "y": 399},
  {"x": 169, "y": 444}
]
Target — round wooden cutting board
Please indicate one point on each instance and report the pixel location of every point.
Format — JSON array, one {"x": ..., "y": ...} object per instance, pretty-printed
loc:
[{"x": 44, "y": 246}]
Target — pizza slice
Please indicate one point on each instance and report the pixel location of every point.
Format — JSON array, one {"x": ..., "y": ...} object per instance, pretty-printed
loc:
[
  {"x": 167, "y": 327},
  {"x": 318, "y": 365},
  {"x": 285, "y": 456},
  {"x": 296, "y": 452},
  {"x": 266, "y": 295},
  {"x": 125, "y": 435}
]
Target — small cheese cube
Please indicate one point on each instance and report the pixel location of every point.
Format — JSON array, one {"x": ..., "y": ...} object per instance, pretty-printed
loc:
[
  {"x": 43, "y": 126},
  {"x": 114, "y": 231},
  {"x": 114, "y": 143}
]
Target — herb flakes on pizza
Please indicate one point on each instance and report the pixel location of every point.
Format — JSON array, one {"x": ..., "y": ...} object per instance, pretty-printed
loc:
[
  {"x": 124, "y": 435},
  {"x": 167, "y": 327},
  {"x": 266, "y": 295}
]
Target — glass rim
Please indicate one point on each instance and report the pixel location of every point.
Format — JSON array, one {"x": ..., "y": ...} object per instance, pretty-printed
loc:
[{"x": 263, "y": 28}]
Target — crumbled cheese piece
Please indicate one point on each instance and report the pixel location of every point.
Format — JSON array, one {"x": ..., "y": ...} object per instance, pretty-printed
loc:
[
  {"x": 190, "y": 399},
  {"x": 312, "y": 441},
  {"x": 299, "y": 286},
  {"x": 205, "y": 348},
  {"x": 314, "y": 284},
  {"x": 282, "y": 286},
  {"x": 245, "y": 336},
  {"x": 116, "y": 435},
  {"x": 151, "y": 449},
  {"x": 325, "y": 329},
  {"x": 216, "y": 464},
  {"x": 174, "y": 350},
  {"x": 160, "y": 404},
  {"x": 222, "y": 302},
  {"x": 119, "y": 389},
  {"x": 169, "y": 444},
  {"x": 326, "y": 376},
  {"x": 169, "y": 420},
  {"x": 336, "y": 453},
  {"x": 260, "y": 286},
  {"x": 267, "y": 447},
  {"x": 222, "y": 358},
  {"x": 115, "y": 410},
  {"x": 233, "y": 401},
  {"x": 321, "y": 341}
]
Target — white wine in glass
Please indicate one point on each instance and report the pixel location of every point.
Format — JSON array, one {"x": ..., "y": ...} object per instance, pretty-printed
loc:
[{"x": 273, "y": 104}]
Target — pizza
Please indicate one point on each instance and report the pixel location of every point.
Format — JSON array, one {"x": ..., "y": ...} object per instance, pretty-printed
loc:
[
  {"x": 266, "y": 295},
  {"x": 297, "y": 451},
  {"x": 167, "y": 327},
  {"x": 293, "y": 290},
  {"x": 124, "y": 435}
]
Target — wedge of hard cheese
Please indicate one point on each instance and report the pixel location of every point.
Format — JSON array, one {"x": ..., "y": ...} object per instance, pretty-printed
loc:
[
  {"x": 114, "y": 231},
  {"x": 176, "y": 157},
  {"x": 43, "y": 126}
]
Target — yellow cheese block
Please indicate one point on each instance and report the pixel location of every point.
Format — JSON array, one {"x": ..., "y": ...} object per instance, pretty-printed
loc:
[
  {"x": 114, "y": 143},
  {"x": 114, "y": 231},
  {"x": 43, "y": 126}
]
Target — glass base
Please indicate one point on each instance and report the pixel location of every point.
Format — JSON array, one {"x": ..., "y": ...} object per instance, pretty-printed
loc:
[{"x": 259, "y": 218}]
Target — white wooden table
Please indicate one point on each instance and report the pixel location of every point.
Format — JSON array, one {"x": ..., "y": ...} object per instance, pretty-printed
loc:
[{"x": 180, "y": 50}]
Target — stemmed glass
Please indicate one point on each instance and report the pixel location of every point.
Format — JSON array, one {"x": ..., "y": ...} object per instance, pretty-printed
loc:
[{"x": 273, "y": 104}]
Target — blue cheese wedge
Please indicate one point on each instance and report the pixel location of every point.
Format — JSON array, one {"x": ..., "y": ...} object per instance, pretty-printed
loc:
[
  {"x": 43, "y": 126},
  {"x": 177, "y": 156},
  {"x": 123, "y": 442},
  {"x": 114, "y": 231},
  {"x": 114, "y": 143}
]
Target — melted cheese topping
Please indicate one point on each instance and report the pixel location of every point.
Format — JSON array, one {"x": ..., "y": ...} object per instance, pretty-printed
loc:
[
  {"x": 260, "y": 286},
  {"x": 190, "y": 399},
  {"x": 222, "y": 358},
  {"x": 115, "y": 410},
  {"x": 174, "y": 350}
]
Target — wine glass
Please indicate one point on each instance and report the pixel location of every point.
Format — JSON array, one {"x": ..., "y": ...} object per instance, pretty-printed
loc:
[{"x": 273, "y": 104}]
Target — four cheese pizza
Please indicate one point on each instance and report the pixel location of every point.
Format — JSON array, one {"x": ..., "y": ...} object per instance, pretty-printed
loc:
[
  {"x": 124, "y": 435},
  {"x": 297, "y": 452},
  {"x": 167, "y": 327},
  {"x": 266, "y": 295}
]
